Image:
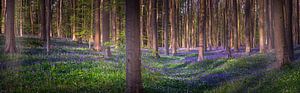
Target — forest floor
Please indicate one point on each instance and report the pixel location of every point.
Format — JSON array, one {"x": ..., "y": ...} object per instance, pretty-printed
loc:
[{"x": 73, "y": 67}]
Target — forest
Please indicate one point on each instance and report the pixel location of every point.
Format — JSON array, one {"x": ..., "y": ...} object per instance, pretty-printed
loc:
[{"x": 149, "y": 46}]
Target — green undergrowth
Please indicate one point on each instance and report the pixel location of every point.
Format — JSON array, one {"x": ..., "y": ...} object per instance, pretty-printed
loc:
[{"x": 79, "y": 69}]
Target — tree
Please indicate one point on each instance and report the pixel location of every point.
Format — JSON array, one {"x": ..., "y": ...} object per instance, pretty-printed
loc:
[
  {"x": 48, "y": 23},
  {"x": 133, "y": 51},
  {"x": 97, "y": 44},
  {"x": 282, "y": 55},
  {"x": 43, "y": 21},
  {"x": 172, "y": 23},
  {"x": 153, "y": 27},
  {"x": 10, "y": 43},
  {"x": 106, "y": 28},
  {"x": 21, "y": 18},
  {"x": 235, "y": 26},
  {"x": 166, "y": 23},
  {"x": 73, "y": 28},
  {"x": 248, "y": 26},
  {"x": 261, "y": 26},
  {"x": 59, "y": 18},
  {"x": 289, "y": 27},
  {"x": 201, "y": 28},
  {"x": 227, "y": 28}
]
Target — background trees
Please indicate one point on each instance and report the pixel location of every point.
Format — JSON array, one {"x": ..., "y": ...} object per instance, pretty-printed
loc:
[{"x": 206, "y": 25}]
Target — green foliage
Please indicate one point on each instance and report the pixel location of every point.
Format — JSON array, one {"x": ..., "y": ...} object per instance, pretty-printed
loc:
[{"x": 32, "y": 71}]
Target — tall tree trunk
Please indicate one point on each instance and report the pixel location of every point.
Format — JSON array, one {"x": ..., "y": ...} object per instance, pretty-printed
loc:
[
  {"x": 227, "y": 28},
  {"x": 48, "y": 23},
  {"x": 106, "y": 28},
  {"x": 289, "y": 28},
  {"x": 247, "y": 26},
  {"x": 298, "y": 24},
  {"x": 173, "y": 30},
  {"x": 133, "y": 49},
  {"x": 271, "y": 26},
  {"x": 149, "y": 31},
  {"x": 59, "y": 18},
  {"x": 154, "y": 27},
  {"x": 73, "y": 28},
  {"x": 166, "y": 25},
  {"x": 10, "y": 43},
  {"x": 282, "y": 55},
  {"x": 235, "y": 26},
  {"x": 43, "y": 21},
  {"x": 3, "y": 16},
  {"x": 97, "y": 40},
  {"x": 261, "y": 26},
  {"x": 202, "y": 28},
  {"x": 142, "y": 21},
  {"x": 21, "y": 18}
]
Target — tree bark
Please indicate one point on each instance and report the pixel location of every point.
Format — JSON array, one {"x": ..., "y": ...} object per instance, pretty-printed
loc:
[
  {"x": 247, "y": 26},
  {"x": 261, "y": 26},
  {"x": 289, "y": 28},
  {"x": 282, "y": 56},
  {"x": 153, "y": 26},
  {"x": 235, "y": 26},
  {"x": 133, "y": 51},
  {"x": 173, "y": 30},
  {"x": 21, "y": 18},
  {"x": 106, "y": 28},
  {"x": 73, "y": 27},
  {"x": 43, "y": 21},
  {"x": 97, "y": 40},
  {"x": 59, "y": 18},
  {"x": 48, "y": 23},
  {"x": 202, "y": 28},
  {"x": 166, "y": 26},
  {"x": 10, "y": 43}
]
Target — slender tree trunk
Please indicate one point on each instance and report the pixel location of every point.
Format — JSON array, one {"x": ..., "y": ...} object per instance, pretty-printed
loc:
[
  {"x": 48, "y": 23},
  {"x": 59, "y": 18},
  {"x": 43, "y": 21},
  {"x": 166, "y": 26},
  {"x": 289, "y": 28},
  {"x": 202, "y": 28},
  {"x": 173, "y": 30},
  {"x": 10, "y": 43},
  {"x": 227, "y": 28},
  {"x": 142, "y": 21},
  {"x": 247, "y": 26},
  {"x": 261, "y": 26},
  {"x": 153, "y": 25},
  {"x": 21, "y": 18},
  {"x": 97, "y": 40},
  {"x": 106, "y": 28},
  {"x": 74, "y": 21},
  {"x": 298, "y": 24},
  {"x": 1, "y": 16},
  {"x": 149, "y": 32},
  {"x": 282, "y": 56},
  {"x": 271, "y": 26},
  {"x": 235, "y": 26},
  {"x": 133, "y": 49}
]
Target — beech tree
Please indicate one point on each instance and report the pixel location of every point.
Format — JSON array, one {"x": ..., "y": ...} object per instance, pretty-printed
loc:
[
  {"x": 97, "y": 41},
  {"x": 247, "y": 26},
  {"x": 166, "y": 25},
  {"x": 10, "y": 42},
  {"x": 133, "y": 51},
  {"x": 281, "y": 48},
  {"x": 201, "y": 28},
  {"x": 106, "y": 28}
]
